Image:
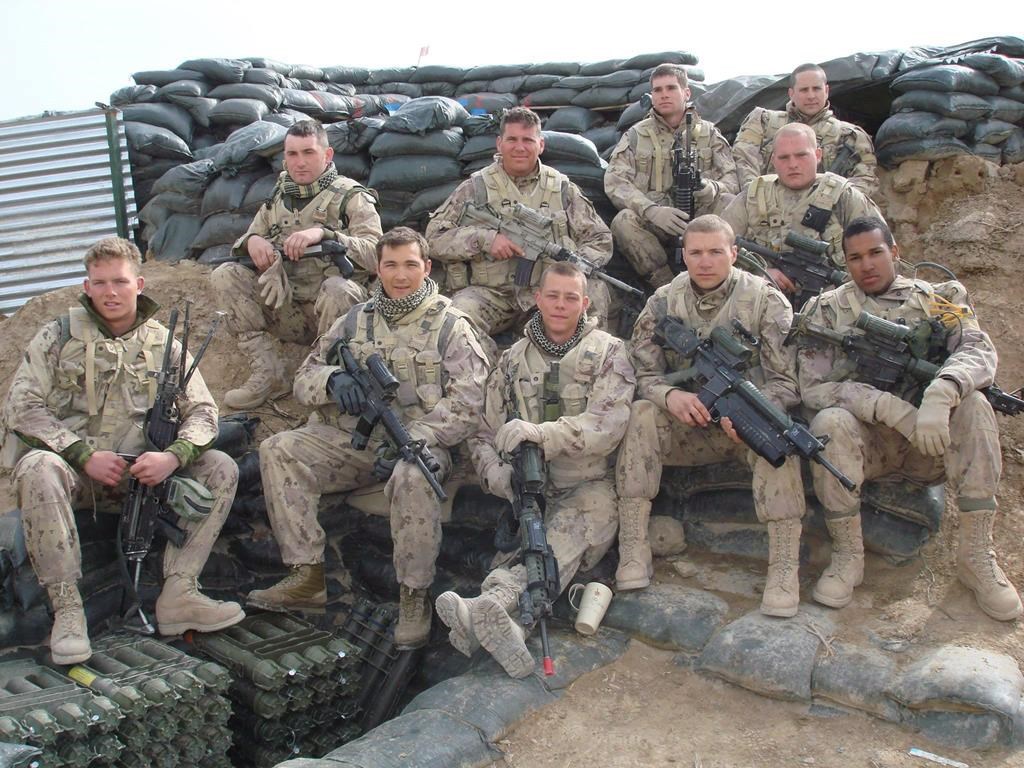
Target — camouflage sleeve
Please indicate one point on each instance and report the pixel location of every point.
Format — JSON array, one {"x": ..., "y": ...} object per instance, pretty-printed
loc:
[
  {"x": 364, "y": 230},
  {"x": 722, "y": 176},
  {"x": 450, "y": 242},
  {"x": 599, "y": 429},
  {"x": 864, "y": 176},
  {"x": 493, "y": 415},
  {"x": 199, "y": 415},
  {"x": 260, "y": 226},
  {"x": 736, "y": 213},
  {"x": 746, "y": 150},
  {"x": 456, "y": 416},
  {"x": 592, "y": 237},
  {"x": 972, "y": 360},
  {"x": 619, "y": 179},
  {"x": 310, "y": 384},
  {"x": 647, "y": 357},
  {"x": 778, "y": 361}
]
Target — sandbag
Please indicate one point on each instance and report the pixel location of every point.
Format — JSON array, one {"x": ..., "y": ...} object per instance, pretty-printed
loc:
[
  {"x": 540, "y": 82},
  {"x": 598, "y": 68},
  {"x": 169, "y": 116},
  {"x": 305, "y": 84},
  {"x": 340, "y": 89},
  {"x": 602, "y": 96},
  {"x": 235, "y": 151},
  {"x": 447, "y": 143},
  {"x": 198, "y": 107},
  {"x": 573, "y": 120},
  {"x": 435, "y": 72},
  {"x": 495, "y": 71},
  {"x": 946, "y": 77},
  {"x": 638, "y": 91},
  {"x": 218, "y": 70},
  {"x": 604, "y": 137},
  {"x": 583, "y": 174},
  {"x": 1010, "y": 110},
  {"x": 227, "y": 193},
  {"x": 273, "y": 143},
  {"x": 438, "y": 88},
  {"x": 390, "y": 75},
  {"x": 918, "y": 125},
  {"x": 156, "y": 141},
  {"x": 988, "y": 152},
  {"x": 172, "y": 240},
  {"x": 133, "y": 94},
  {"x": 413, "y": 173},
  {"x": 1005, "y": 71},
  {"x": 354, "y": 75},
  {"x": 624, "y": 78},
  {"x": 354, "y": 136},
  {"x": 259, "y": 192},
  {"x": 307, "y": 72},
  {"x": 471, "y": 86},
  {"x": 238, "y": 112},
  {"x": 260, "y": 62},
  {"x": 568, "y": 146},
  {"x": 286, "y": 118},
  {"x": 393, "y": 101},
  {"x": 481, "y": 125},
  {"x": 354, "y": 166},
  {"x": 216, "y": 255},
  {"x": 963, "y": 106},
  {"x": 512, "y": 84},
  {"x": 151, "y": 170},
  {"x": 429, "y": 200},
  {"x": 171, "y": 202},
  {"x": 487, "y": 103},
  {"x": 921, "y": 149},
  {"x": 560, "y": 68},
  {"x": 268, "y": 94},
  {"x": 1013, "y": 148},
  {"x": 165, "y": 76},
  {"x": 429, "y": 113},
  {"x": 1016, "y": 93},
  {"x": 992, "y": 131},
  {"x": 648, "y": 60},
  {"x": 261, "y": 76},
  {"x": 321, "y": 105},
  {"x": 478, "y": 148},
  {"x": 549, "y": 97},
  {"x": 632, "y": 114},
  {"x": 220, "y": 229},
  {"x": 183, "y": 88},
  {"x": 412, "y": 90}
]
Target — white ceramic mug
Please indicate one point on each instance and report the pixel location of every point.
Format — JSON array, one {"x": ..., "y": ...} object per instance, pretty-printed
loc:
[{"x": 592, "y": 606}]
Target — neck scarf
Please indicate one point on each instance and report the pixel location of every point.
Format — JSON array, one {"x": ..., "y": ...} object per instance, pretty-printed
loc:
[
  {"x": 535, "y": 332},
  {"x": 293, "y": 189},
  {"x": 395, "y": 309}
]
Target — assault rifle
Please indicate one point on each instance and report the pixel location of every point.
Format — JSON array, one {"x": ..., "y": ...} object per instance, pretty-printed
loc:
[
  {"x": 719, "y": 362},
  {"x": 531, "y": 231},
  {"x": 145, "y": 510},
  {"x": 686, "y": 181},
  {"x": 896, "y": 357},
  {"x": 542, "y": 584},
  {"x": 806, "y": 264},
  {"x": 379, "y": 387},
  {"x": 328, "y": 250}
]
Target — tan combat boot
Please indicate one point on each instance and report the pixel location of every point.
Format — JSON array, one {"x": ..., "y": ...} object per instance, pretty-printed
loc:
[
  {"x": 502, "y": 637},
  {"x": 978, "y": 570},
  {"x": 181, "y": 607},
  {"x": 636, "y": 567},
  {"x": 69, "y": 639},
  {"x": 267, "y": 381},
  {"x": 782, "y": 588},
  {"x": 304, "y": 589},
  {"x": 456, "y": 612},
  {"x": 414, "y": 614},
  {"x": 846, "y": 571}
]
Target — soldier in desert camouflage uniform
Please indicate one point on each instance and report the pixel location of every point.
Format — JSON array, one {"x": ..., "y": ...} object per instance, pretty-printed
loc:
[
  {"x": 952, "y": 435},
  {"x": 669, "y": 425},
  {"x": 287, "y": 296},
  {"x": 640, "y": 182},
  {"x": 432, "y": 349},
  {"x": 578, "y": 430},
  {"x": 77, "y": 401},
  {"x": 480, "y": 262}
]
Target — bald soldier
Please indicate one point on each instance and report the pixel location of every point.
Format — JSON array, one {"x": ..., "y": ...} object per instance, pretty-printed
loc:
[
  {"x": 640, "y": 179},
  {"x": 845, "y": 148},
  {"x": 796, "y": 198},
  {"x": 481, "y": 262}
]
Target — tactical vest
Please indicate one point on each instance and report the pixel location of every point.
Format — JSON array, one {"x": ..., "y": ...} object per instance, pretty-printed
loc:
[
  {"x": 768, "y": 222},
  {"x": 548, "y": 196},
  {"x": 540, "y": 389},
  {"x": 831, "y": 132},
  {"x": 651, "y": 143}
]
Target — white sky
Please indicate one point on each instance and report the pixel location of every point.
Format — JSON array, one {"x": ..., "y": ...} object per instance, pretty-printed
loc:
[{"x": 63, "y": 55}]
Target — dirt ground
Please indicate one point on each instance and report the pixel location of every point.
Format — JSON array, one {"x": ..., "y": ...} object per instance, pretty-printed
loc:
[{"x": 645, "y": 710}]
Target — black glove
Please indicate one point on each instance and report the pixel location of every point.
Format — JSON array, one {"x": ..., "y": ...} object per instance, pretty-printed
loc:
[
  {"x": 387, "y": 457},
  {"x": 346, "y": 393}
]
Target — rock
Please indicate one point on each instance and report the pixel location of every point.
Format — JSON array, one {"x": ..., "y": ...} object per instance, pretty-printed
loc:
[
  {"x": 668, "y": 616},
  {"x": 666, "y": 536},
  {"x": 685, "y": 568},
  {"x": 858, "y": 678},
  {"x": 909, "y": 174}
]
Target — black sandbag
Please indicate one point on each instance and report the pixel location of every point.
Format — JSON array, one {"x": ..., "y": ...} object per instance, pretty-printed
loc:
[
  {"x": 540, "y": 82},
  {"x": 235, "y": 151},
  {"x": 305, "y": 84},
  {"x": 513, "y": 84},
  {"x": 183, "y": 88},
  {"x": 447, "y": 143},
  {"x": 303, "y": 101},
  {"x": 963, "y": 106},
  {"x": 354, "y": 75},
  {"x": 560, "y": 68},
  {"x": 176, "y": 202},
  {"x": 480, "y": 163},
  {"x": 268, "y": 94},
  {"x": 390, "y": 75},
  {"x": 215, "y": 255},
  {"x": 435, "y": 72},
  {"x": 549, "y": 97},
  {"x": 306, "y": 72},
  {"x": 1013, "y": 148},
  {"x": 152, "y": 215},
  {"x": 946, "y": 77},
  {"x": 340, "y": 89},
  {"x": 207, "y": 147},
  {"x": 220, "y": 229},
  {"x": 487, "y": 103},
  {"x": 695, "y": 74},
  {"x": 438, "y": 88},
  {"x": 638, "y": 91},
  {"x": 261, "y": 76},
  {"x": 471, "y": 86},
  {"x": 573, "y": 120},
  {"x": 151, "y": 170},
  {"x": 172, "y": 240},
  {"x": 648, "y": 60},
  {"x": 413, "y": 173},
  {"x": 392, "y": 102},
  {"x": 989, "y": 152},
  {"x": 430, "y": 200},
  {"x": 478, "y": 148},
  {"x": 992, "y": 131},
  {"x": 273, "y": 143},
  {"x": 286, "y": 119},
  {"x": 602, "y": 96},
  {"x": 495, "y": 71},
  {"x": 156, "y": 141},
  {"x": 623, "y": 78},
  {"x": 218, "y": 70},
  {"x": 1016, "y": 93},
  {"x": 598, "y": 68},
  {"x": 133, "y": 94},
  {"x": 481, "y": 125},
  {"x": 412, "y": 90},
  {"x": 583, "y": 174},
  {"x": 1005, "y": 71},
  {"x": 567, "y": 146},
  {"x": 261, "y": 62},
  {"x": 354, "y": 136},
  {"x": 227, "y": 193},
  {"x": 159, "y": 77},
  {"x": 1010, "y": 110},
  {"x": 632, "y": 114},
  {"x": 918, "y": 125},
  {"x": 429, "y": 113},
  {"x": 603, "y": 137},
  {"x": 238, "y": 112},
  {"x": 259, "y": 192},
  {"x": 169, "y": 116},
  {"x": 354, "y": 166},
  {"x": 921, "y": 149}
]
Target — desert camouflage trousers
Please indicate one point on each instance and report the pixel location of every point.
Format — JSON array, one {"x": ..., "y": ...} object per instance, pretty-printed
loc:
[
  {"x": 48, "y": 489},
  {"x": 972, "y": 462},
  {"x": 493, "y": 310},
  {"x": 645, "y": 247},
  {"x": 655, "y": 438},
  {"x": 300, "y": 465},
  {"x": 316, "y": 302}
]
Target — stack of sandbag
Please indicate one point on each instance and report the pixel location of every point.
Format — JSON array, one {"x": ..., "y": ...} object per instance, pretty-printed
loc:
[
  {"x": 578, "y": 158},
  {"x": 975, "y": 106}
]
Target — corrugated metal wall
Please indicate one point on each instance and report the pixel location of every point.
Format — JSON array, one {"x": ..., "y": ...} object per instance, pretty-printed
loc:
[{"x": 58, "y": 195}]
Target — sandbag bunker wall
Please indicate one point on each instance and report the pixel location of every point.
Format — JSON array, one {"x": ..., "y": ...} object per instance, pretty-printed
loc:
[
  {"x": 206, "y": 139},
  {"x": 974, "y": 106}
]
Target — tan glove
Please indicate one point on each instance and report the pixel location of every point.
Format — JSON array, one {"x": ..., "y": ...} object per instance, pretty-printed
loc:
[
  {"x": 512, "y": 433},
  {"x": 896, "y": 414},
  {"x": 931, "y": 436},
  {"x": 668, "y": 219},
  {"x": 274, "y": 286}
]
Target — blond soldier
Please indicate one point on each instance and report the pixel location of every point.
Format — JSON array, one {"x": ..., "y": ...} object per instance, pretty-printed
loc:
[
  {"x": 952, "y": 435},
  {"x": 797, "y": 199},
  {"x": 845, "y": 148},
  {"x": 566, "y": 387},
  {"x": 481, "y": 263},
  {"x": 639, "y": 179},
  {"x": 289, "y": 297},
  {"x": 669, "y": 425},
  {"x": 432, "y": 350},
  {"x": 77, "y": 402}
]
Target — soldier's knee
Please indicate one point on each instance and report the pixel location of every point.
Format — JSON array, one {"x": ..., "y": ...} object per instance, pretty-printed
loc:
[
  {"x": 837, "y": 423},
  {"x": 218, "y": 472},
  {"x": 37, "y": 466},
  {"x": 277, "y": 447},
  {"x": 625, "y": 221},
  {"x": 974, "y": 413},
  {"x": 226, "y": 278}
]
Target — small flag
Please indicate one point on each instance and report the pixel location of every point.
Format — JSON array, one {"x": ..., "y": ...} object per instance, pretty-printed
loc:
[{"x": 424, "y": 51}]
